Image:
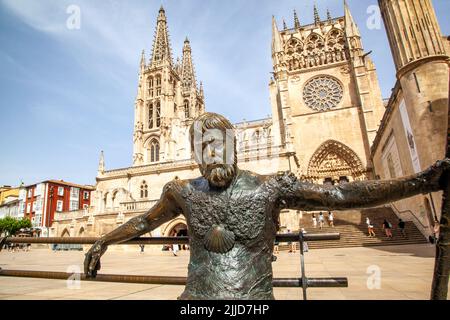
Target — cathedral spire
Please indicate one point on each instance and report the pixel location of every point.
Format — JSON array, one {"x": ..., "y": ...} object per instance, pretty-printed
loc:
[
  {"x": 143, "y": 60},
  {"x": 276, "y": 39},
  {"x": 316, "y": 16},
  {"x": 351, "y": 29},
  {"x": 187, "y": 68},
  {"x": 101, "y": 163},
  {"x": 329, "y": 18},
  {"x": 202, "y": 93},
  {"x": 161, "y": 45},
  {"x": 296, "y": 21}
]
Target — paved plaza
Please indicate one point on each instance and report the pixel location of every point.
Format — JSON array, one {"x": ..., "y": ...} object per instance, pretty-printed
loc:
[{"x": 405, "y": 272}]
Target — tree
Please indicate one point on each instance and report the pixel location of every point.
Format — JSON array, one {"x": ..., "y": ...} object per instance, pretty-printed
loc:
[{"x": 10, "y": 226}]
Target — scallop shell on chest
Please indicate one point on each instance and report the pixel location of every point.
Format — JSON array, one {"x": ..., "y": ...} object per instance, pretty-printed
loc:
[{"x": 219, "y": 240}]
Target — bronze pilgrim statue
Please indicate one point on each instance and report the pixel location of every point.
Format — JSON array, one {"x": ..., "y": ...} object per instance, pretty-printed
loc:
[{"x": 232, "y": 214}]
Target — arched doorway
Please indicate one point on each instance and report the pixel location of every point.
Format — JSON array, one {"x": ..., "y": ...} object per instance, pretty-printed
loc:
[
  {"x": 179, "y": 230},
  {"x": 335, "y": 163}
]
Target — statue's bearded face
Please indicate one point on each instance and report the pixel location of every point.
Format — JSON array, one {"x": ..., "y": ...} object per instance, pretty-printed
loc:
[
  {"x": 214, "y": 148},
  {"x": 214, "y": 165}
]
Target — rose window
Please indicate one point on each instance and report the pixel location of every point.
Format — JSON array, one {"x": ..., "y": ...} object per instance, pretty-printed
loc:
[{"x": 322, "y": 93}]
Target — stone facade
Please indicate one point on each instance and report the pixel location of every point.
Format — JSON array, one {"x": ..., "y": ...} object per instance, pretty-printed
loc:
[
  {"x": 329, "y": 123},
  {"x": 414, "y": 128}
]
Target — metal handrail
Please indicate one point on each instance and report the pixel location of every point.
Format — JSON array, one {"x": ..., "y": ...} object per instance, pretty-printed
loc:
[
  {"x": 301, "y": 237},
  {"x": 288, "y": 237},
  {"x": 168, "y": 280}
]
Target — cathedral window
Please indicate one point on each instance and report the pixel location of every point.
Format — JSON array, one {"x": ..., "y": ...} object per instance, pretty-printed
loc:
[
  {"x": 150, "y": 86},
  {"x": 158, "y": 85},
  {"x": 154, "y": 151},
  {"x": 186, "y": 109},
  {"x": 144, "y": 190},
  {"x": 322, "y": 93},
  {"x": 158, "y": 114},
  {"x": 150, "y": 116}
]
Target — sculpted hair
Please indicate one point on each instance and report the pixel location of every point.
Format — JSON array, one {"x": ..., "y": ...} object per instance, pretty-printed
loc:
[{"x": 211, "y": 120}]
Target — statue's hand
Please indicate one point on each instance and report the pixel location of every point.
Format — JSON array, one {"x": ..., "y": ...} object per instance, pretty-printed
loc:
[
  {"x": 438, "y": 174},
  {"x": 92, "y": 259}
]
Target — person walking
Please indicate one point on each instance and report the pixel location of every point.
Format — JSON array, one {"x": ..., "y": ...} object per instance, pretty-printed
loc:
[
  {"x": 387, "y": 226},
  {"x": 291, "y": 244},
  {"x": 436, "y": 230},
  {"x": 401, "y": 226},
  {"x": 321, "y": 219},
  {"x": 276, "y": 249},
  {"x": 314, "y": 220},
  {"x": 305, "y": 244},
  {"x": 370, "y": 227},
  {"x": 331, "y": 219},
  {"x": 142, "y": 246}
]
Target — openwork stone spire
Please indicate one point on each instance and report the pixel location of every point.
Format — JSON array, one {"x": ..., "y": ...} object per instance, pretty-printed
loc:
[
  {"x": 202, "y": 93},
  {"x": 143, "y": 59},
  {"x": 316, "y": 16},
  {"x": 187, "y": 68},
  {"x": 296, "y": 21},
  {"x": 161, "y": 46},
  {"x": 329, "y": 18}
]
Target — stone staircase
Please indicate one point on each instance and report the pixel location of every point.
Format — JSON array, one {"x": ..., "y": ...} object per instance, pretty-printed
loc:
[{"x": 353, "y": 229}]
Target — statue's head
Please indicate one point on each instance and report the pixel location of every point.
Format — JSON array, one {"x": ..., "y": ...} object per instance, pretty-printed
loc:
[{"x": 213, "y": 144}]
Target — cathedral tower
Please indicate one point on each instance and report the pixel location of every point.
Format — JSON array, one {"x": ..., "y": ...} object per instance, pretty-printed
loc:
[
  {"x": 421, "y": 60},
  {"x": 325, "y": 96},
  {"x": 167, "y": 101}
]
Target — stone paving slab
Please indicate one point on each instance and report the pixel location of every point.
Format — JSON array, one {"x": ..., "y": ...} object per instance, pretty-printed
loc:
[{"x": 405, "y": 273}]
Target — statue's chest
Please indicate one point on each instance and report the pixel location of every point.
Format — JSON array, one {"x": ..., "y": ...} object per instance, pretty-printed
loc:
[{"x": 244, "y": 213}]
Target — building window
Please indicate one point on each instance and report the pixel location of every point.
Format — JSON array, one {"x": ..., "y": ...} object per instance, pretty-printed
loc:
[
  {"x": 144, "y": 190},
  {"x": 158, "y": 86},
  {"x": 73, "y": 205},
  {"x": 86, "y": 195},
  {"x": 158, "y": 114},
  {"x": 150, "y": 86},
  {"x": 30, "y": 191},
  {"x": 150, "y": 116},
  {"x": 28, "y": 207},
  {"x": 60, "y": 191},
  {"x": 186, "y": 109},
  {"x": 59, "y": 206},
  {"x": 22, "y": 207},
  {"x": 38, "y": 205},
  {"x": 154, "y": 151},
  {"x": 391, "y": 166},
  {"x": 74, "y": 192}
]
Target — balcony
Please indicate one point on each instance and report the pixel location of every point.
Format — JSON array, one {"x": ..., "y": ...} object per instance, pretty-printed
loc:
[
  {"x": 136, "y": 206},
  {"x": 76, "y": 214}
]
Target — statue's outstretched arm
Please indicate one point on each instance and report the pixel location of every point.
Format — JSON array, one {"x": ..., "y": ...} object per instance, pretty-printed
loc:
[
  {"x": 363, "y": 194},
  {"x": 163, "y": 211}
]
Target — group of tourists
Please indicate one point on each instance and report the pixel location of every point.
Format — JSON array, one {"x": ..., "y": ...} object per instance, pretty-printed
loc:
[
  {"x": 387, "y": 227},
  {"x": 320, "y": 220}
]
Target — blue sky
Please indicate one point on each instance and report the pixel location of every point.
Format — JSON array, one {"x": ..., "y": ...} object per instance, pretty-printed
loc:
[{"x": 67, "y": 94}]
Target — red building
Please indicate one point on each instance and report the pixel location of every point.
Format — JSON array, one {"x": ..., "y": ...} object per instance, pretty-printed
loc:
[{"x": 40, "y": 201}]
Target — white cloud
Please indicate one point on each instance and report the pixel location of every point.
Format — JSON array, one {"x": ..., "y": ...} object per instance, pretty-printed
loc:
[{"x": 44, "y": 15}]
